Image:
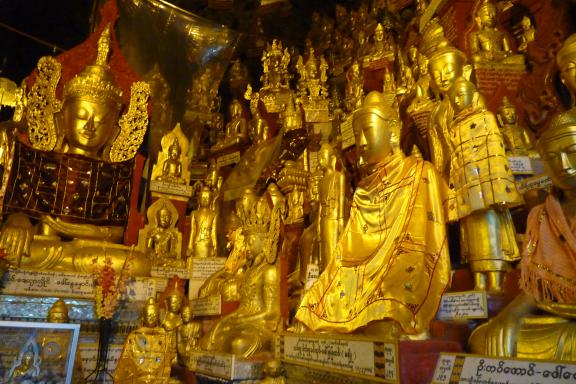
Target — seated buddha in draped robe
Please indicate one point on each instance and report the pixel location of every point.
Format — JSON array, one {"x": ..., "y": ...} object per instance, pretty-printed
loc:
[
  {"x": 74, "y": 178},
  {"x": 391, "y": 264}
]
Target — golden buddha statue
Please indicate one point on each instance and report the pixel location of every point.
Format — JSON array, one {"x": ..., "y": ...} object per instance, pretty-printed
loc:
[
  {"x": 383, "y": 45},
  {"x": 354, "y": 87},
  {"x": 482, "y": 186},
  {"x": 527, "y": 35},
  {"x": 174, "y": 301},
  {"x": 187, "y": 335},
  {"x": 275, "y": 89},
  {"x": 26, "y": 368},
  {"x": 273, "y": 373},
  {"x": 445, "y": 65},
  {"x": 488, "y": 44},
  {"x": 250, "y": 329},
  {"x": 236, "y": 129},
  {"x": 391, "y": 264},
  {"x": 516, "y": 138},
  {"x": 173, "y": 161},
  {"x": 203, "y": 224},
  {"x": 539, "y": 323},
  {"x": 332, "y": 196},
  {"x": 160, "y": 238},
  {"x": 147, "y": 353},
  {"x": 85, "y": 135},
  {"x": 226, "y": 281}
]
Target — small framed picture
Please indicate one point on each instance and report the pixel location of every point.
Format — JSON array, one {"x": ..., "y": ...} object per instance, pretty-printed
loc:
[{"x": 33, "y": 352}]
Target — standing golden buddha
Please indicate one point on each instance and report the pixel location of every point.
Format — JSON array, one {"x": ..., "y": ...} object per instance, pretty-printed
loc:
[
  {"x": 332, "y": 213},
  {"x": 482, "y": 186}
]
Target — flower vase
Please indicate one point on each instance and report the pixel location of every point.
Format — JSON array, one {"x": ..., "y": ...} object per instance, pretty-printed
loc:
[{"x": 100, "y": 374}]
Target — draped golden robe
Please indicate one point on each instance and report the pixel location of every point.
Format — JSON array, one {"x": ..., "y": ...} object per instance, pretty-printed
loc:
[{"x": 391, "y": 262}]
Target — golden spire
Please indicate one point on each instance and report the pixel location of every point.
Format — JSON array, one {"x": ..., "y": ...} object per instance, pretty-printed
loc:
[{"x": 103, "y": 47}]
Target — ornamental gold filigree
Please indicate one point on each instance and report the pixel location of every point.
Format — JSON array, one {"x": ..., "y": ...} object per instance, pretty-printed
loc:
[
  {"x": 43, "y": 104},
  {"x": 133, "y": 124}
]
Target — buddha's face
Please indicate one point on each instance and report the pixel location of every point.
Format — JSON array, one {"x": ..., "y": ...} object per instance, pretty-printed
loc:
[
  {"x": 174, "y": 303},
  {"x": 568, "y": 74},
  {"x": 186, "y": 314},
  {"x": 273, "y": 368},
  {"x": 445, "y": 70},
  {"x": 508, "y": 114},
  {"x": 204, "y": 199},
  {"x": 151, "y": 317},
  {"x": 372, "y": 136},
  {"x": 255, "y": 244},
  {"x": 379, "y": 34},
  {"x": 526, "y": 23},
  {"x": 57, "y": 317},
  {"x": 88, "y": 125},
  {"x": 487, "y": 16},
  {"x": 559, "y": 155},
  {"x": 235, "y": 110},
  {"x": 461, "y": 97},
  {"x": 174, "y": 152},
  {"x": 164, "y": 218},
  {"x": 27, "y": 359}
]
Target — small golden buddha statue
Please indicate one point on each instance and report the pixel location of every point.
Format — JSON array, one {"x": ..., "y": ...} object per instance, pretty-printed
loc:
[
  {"x": 488, "y": 44},
  {"x": 391, "y": 264},
  {"x": 85, "y": 135},
  {"x": 383, "y": 45},
  {"x": 273, "y": 373},
  {"x": 174, "y": 301},
  {"x": 479, "y": 198},
  {"x": 173, "y": 161},
  {"x": 516, "y": 137},
  {"x": 539, "y": 323},
  {"x": 333, "y": 210},
  {"x": 250, "y": 329},
  {"x": 354, "y": 87},
  {"x": 445, "y": 65},
  {"x": 203, "y": 224},
  {"x": 236, "y": 129},
  {"x": 26, "y": 368},
  {"x": 226, "y": 281},
  {"x": 147, "y": 353},
  {"x": 187, "y": 335},
  {"x": 527, "y": 35},
  {"x": 160, "y": 238}
]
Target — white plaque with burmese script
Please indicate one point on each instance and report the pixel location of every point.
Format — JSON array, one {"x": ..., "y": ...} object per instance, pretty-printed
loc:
[
  {"x": 463, "y": 368},
  {"x": 463, "y": 305},
  {"x": 375, "y": 359},
  {"x": 206, "y": 306},
  {"x": 63, "y": 284},
  {"x": 200, "y": 270}
]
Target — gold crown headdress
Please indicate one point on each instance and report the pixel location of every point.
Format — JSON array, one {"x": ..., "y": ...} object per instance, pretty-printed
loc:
[
  {"x": 563, "y": 124},
  {"x": 95, "y": 81},
  {"x": 505, "y": 103},
  {"x": 433, "y": 37}
]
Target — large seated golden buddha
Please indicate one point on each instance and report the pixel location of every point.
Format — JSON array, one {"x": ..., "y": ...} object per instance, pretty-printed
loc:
[
  {"x": 68, "y": 187},
  {"x": 391, "y": 265}
]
